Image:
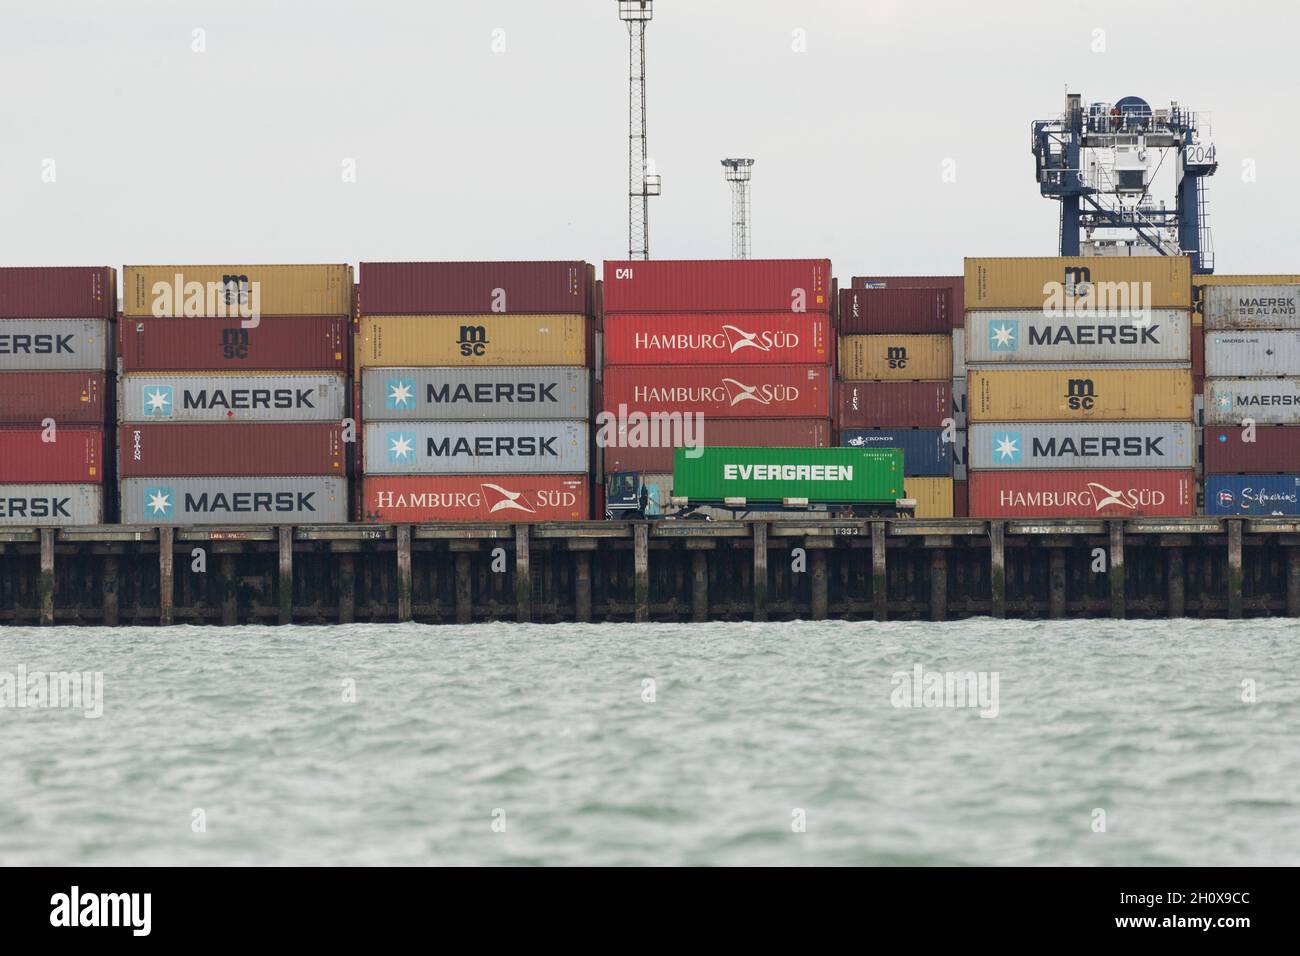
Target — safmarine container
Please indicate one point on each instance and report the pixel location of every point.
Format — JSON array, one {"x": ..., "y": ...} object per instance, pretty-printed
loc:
[
  {"x": 256, "y": 448},
  {"x": 1081, "y": 494},
  {"x": 58, "y": 292},
  {"x": 1026, "y": 336},
  {"x": 895, "y": 357},
  {"x": 465, "y": 340},
  {"x": 933, "y": 496},
  {"x": 196, "y": 291},
  {"x": 1269, "y": 401},
  {"x": 232, "y": 396},
  {"x": 954, "y": 285},
  {"x": 70, "y": 398},
  {"x": 1078, "y": 283},
  {"x": 44, "y": 345},
  {"x": 767, "y": 432},
  {"x": 61, "y": 505},
  {"x": 76, "y": 455},
  {"x": 1251, "y": 307},
  {"x": 898, "y": 404},
  {"x": 468, "y": 288},
  {"x": 925, "y": 453},
  {"x": 717, "y": 338},
  {"x": 1141, "y": 445},
  {"x": 821, "y": 475},
  {"x": 476, "y": 448},
  {"x": 1072, "y": 393},
  {"x": 895, "y": 311},
  {"x": 189, "y": 501},
  {"x": 274, "y": 343},
  {"x": 476, "y": 394},
  {"x": 718, "y": 285},
  {"x": 1251, "y": 354},
  {"x": 1253, "y": 495},
  {"x": 1274, "y": 448},
  {"x": 757, "y": 391},
  {"x": 517, "y": 499}
]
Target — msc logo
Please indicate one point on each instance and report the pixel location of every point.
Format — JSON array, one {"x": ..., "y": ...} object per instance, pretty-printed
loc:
[
  {"x": 473, "y": 340},
  {"x": 159, "y": 502},
  {"x": 1007, "y": 447},
  {"x": 1080, "y": 395},
  {"x": 897, "y": 356},
  {"x": 157, "y": 401},
  {"x": 234, "y": 343},
  {"x": 400, "y": 394},
  {"x": 234, "y": 289},
  {"x": 1078, "y": 280},
  {"x": 401, "y": 448},
  {"x": 1004, "y": 336}
]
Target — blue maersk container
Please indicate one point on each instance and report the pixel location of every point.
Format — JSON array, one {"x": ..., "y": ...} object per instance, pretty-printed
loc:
[
  {"x": 925, "y": 453},
  {"x": 1253, "y": 495}
]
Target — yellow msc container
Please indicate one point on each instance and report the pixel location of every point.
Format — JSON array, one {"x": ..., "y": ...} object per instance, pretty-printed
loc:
[
  {"x": 893, "y": 358},
  {"x": 1089, "y": 393},
  {"x": 933, "y": 496},
  {"x": 220, "y": 291},
  {"x": 1083, "y": 283},
  {"x": 465, "y": 340}
]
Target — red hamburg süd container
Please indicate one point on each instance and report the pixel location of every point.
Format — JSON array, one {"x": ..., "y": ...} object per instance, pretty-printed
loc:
[
  {"x": 70, "y": 398},
  {"x": 1081, "y": 494},
  {"x": 752, "y": 391},
  {"x": 510, "y": 498},
  {"x": 470, "y": 288},
  {"x": 58, "y": 292},
  {"x": 1276, "y": 449},
  {"x": 242, "y": 449},
  {"x": 718, "y": 285},
  {"x": 733, "y": 432},
  {"x": 893, "y": 404},
  {"x": 895, "y": 311},
  {"x": 301, "y": 343},
  {"x": 717, "y": 338},
  {"x": 75, "y": 456},
  {"x": 955, "y": 284}
]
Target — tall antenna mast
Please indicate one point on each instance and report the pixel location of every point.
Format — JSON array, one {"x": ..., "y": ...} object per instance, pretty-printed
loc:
[
  {"x": 737, "y": 172},
  {"x": 641, "y": 182}
]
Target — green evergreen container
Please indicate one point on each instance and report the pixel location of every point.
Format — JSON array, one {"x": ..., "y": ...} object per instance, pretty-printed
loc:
[{"x": 821, "y": 475}]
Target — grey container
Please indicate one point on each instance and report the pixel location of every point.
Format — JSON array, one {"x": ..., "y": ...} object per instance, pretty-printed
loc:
[
  {"x": 1022, "y": 446},
  {"x": 1007, "y": 336},
  {"x": 958, "y": 353},
  {"x": 959, "y": 402},
  {"x": 232, "y": 396},
  {"x": 1269, "y": 401},
  {"x": 190, "y": 501},
  {"x": 1252, "y": 354},
  {"x": 960, "y": 451},
  {"x": 476, "y": 394},
  {"x": 476, "y": 448},
  {"x": 51, "y": 345},
  {"x": 1252, "y": 306},
  {"x": 59, "y": 505}
]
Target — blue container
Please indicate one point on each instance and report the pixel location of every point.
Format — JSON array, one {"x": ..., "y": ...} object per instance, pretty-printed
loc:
[
  {"x": 925, "y": 453},
  {"x": 1253, "y": 495}
]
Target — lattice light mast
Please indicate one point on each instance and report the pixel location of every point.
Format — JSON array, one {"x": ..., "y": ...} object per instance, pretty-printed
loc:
[
  {"x": 737, "y": 172},
  {"x": 641, "y": 182}
]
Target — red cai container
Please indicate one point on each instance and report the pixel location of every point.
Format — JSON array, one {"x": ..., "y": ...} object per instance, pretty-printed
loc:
[
  {"x": 409, "y": 499},
  {"x": 718, "y": 285},
  {"x": 1081, "y": 494},
  {"x": 75, "y": 456},
  {"x": 469, "y": 288},
  {"x": 1276, "y": 449},
  {"x": 717, "y": 338},
  {"x": 893, "y": 404},
  {"x": 736, "y": 432},
  {"x": 895, "y": 311},
  {"x": 241, "y": 449},
  {"x": 753, "y": 391},
  {"x": 58, "y": 292},
  {"x": 954, "y": 284},
  {"x": 960, "y": 501},
  {"x": 301, "y": 343},
  {"x": 70, "y": 398}
]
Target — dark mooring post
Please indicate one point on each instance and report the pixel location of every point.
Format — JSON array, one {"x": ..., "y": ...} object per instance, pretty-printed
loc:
[
  {"x": 464, "y": 589},
  {"x": 998, "y": 567},
  {"x": 1234, "y": 568},
  {"x": 879, "y": 583},
  {"x": 229, "y": 593},
  {"x": 403, "y": 572},
  {"x": 1293, "y": 581},
  {"x": 166, "y": 583},
  {"x": 699, "y": 583},
  {"x": 938, "y": 584},
  {"x": 582, "y": 583},
  {"x": 641, "y": 569},
  {"x": 817, "y": 568},
  {"x": 523, "y": 576},
  {"x": 47, "y": 577},
  {"x": 108, "y": 587},
  {"x": 1117, "y": 604},
  {"x": 1176, "y": 582},
  {"x": 759, "y": 532},
  {"x": 286, "y": 575},
  {"x": 347, "y": 587},
  {"x": 1056, "y": 583}
]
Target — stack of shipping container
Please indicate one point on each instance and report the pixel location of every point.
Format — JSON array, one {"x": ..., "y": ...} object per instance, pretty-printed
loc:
[
  {"x": 1252, "y": 410},
  {"x": 232, "y": 394},
  {"x": 55, "y": 354},
  {"x": 475, "y": 390},
  {"x": 1080, "y": 387},
  {"x": 745, "y": 344}
]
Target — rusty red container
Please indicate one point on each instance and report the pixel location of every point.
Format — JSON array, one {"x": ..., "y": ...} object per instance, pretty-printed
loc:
[
  {"x": 470, "y": 288},
  {"x": 276, "y": 343},
  {"x": 1081, "y": 494},
  {"x": 75, "y": 456},
  {"x": 1198, "y": 355},
  {"x": 70, "y": 398},
  {"x": 960, "y": 501},
  {"x": 718, "y": 285},
  {"x": 896, "y": 311},
  {"x": 58, "y": 292},
  {"x": 1276, "y": 450},
  {"x": 733, "y": 432},
  {"x": 954, "y": 284},
  {"x": 752, "y": 391},
  {"x": 508, "y": 498},
  {"x": 893, "y": 404},
  {"x": 243, "y": 449},
  {"x": 717, "y": 338}
]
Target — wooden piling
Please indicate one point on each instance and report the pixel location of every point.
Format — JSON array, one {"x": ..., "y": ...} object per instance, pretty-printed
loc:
[
  {"x": 817, "y": 569},
  {"x": 582, "y": 586},
  {"x": 879, "y": 583},
  {"x": 229, "y": 591},
  {"x": 523, "y": 576},
  {"x": 404, "y": 573},
  {"x": 998, "y": 567},
  {"x": 758, "y": 531},
  {"x": 1116, "y": 565},
  {"x": 1056, "y": 583},
  {"x": 464, "y": 589},
  {"x": 1176, "y": 585},
  {"x": 166, "y": 581},
  {"x": 938, "y": 584},
  {"x": 47, "y": 577},
  {"x": 108, "y": 589},
  {"x": 699, "y": 586},
  {"x": 1293, "y": 581},
  {"x": 641, "y": 569},
  {"x": 1234, "y": 567},
  {"x": 286, "y": 575},
  {"x": 347, "y": 588}
]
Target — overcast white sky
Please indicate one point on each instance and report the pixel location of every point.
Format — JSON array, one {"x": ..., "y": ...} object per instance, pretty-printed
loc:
[{"x": 162, "y": 154}]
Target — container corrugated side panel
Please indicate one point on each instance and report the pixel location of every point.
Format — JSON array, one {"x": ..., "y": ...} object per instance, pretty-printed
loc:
[
  {"x": 1028, "y": 446},
  {"x": 1217, "y": 280},
  {"x": 895, "y": 311},
  {"x": 1253, "y": 495},
  {"x": 1272, "y": 449},
  {"x": 232, "y": 396},
  {"x": 70, "y": 398},
  {"x": 1154, "y": 282},
  {"x": 718, "y": 285},
  {"x": 1269, "y": 401},
  {"x": 960, "y": 358},
  {"x": 276, "y": 343},
  {"x": 1073, "y": 394},
  {"x": 738, "y": 432},
  {"x": 225, "y": 290},
  {"x": 477, "y": 448},
  {"x": 236, "y": 501},
  {"x": 1004, "y": 335},
  {"x": 58, "y": 292},
  {"x": 754, "y": 391},
  {"x": 660, "y": 488},
  {"x": 960, "y": 455},
  {"x": 933, "y": 496},
  {"x": 408, "y": 340},
  {"x": 476, "y": 394},
  {"x": 895, "y": 357},
  {"x": 774, "y": 474},
  {"x": 469, "y": 288},
  {"x": 893, "y": 404},
  {"x": 954, "y": 284},
  {"x": 211, "y": 450},
  {"x": 45, "y": 345},
  {"x": 60, "y": 505},
  {"x": 510, "y": 498},
  {"x": 960, "y": 499},
  {"x": 717, "y": 338},
  {"x": 1252, "y": 307},
  {"x": 1252, "y": 354},
  {"x": 925, "y": 453},
  {"x": 959, "y": 391},
  {"x": 1082, "y": 494},
  {"x": 76, "y": 456}
]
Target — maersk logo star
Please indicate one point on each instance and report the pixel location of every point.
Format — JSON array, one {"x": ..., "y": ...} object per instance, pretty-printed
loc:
[
  {"x": 157, "y": 401},
  {"x": 1004, "y": 336},
  {"x": 1006, "y": 447},
  {"x": 401, "y": 394},
  {"x": 159, "y": 502},
  {"x": 1224, "y": 400},
  {"x": 401, "y": 448}
]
